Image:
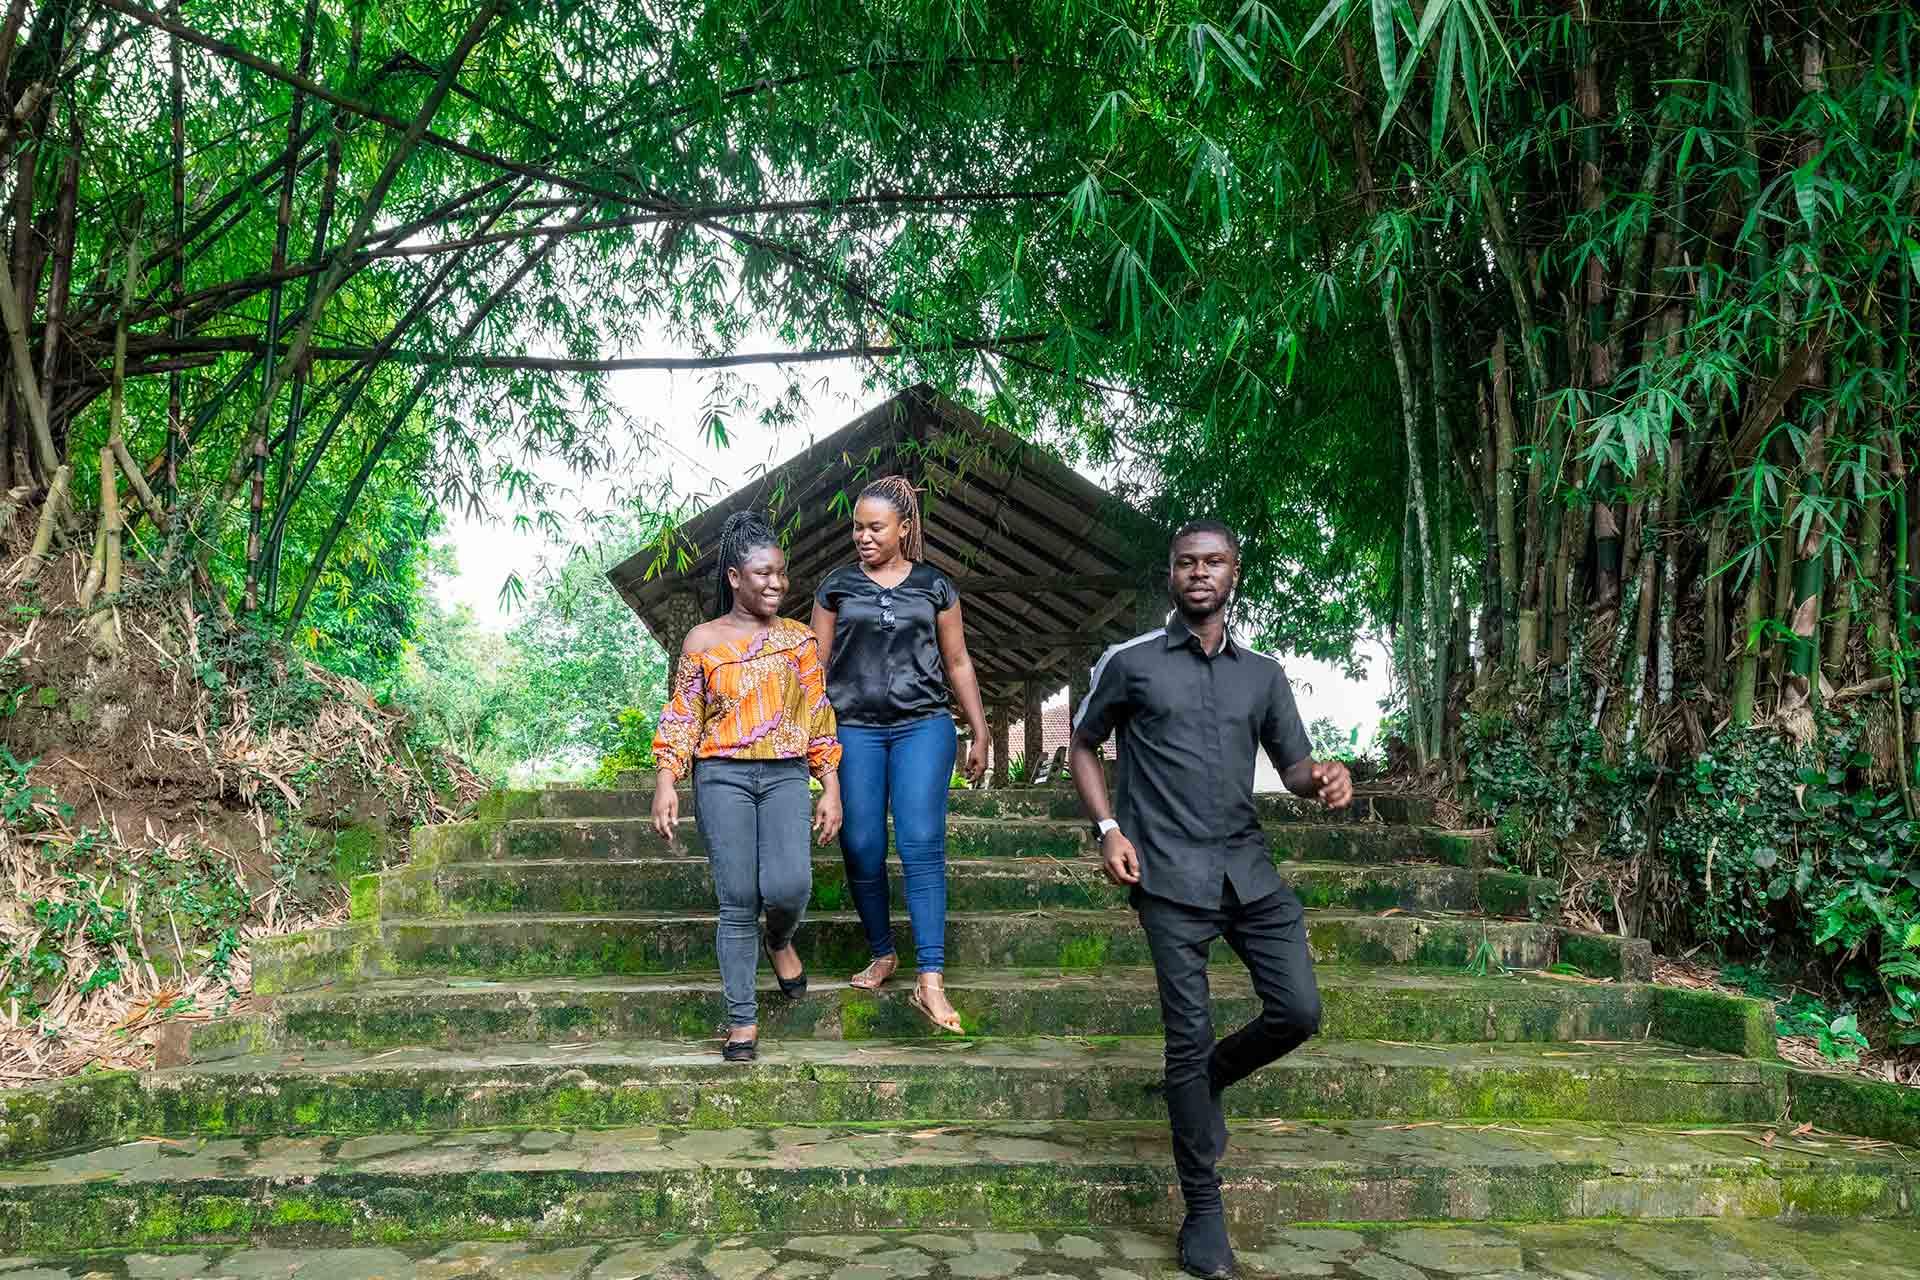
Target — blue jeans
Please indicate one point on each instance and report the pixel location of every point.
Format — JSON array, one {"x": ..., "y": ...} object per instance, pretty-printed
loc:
[
  {"x": 908, "y": 766},
  {"x": 753, "y": 816}
]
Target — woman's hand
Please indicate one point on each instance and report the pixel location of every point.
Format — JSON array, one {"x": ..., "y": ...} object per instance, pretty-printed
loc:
[
  {"x": 976, "y": 765},
  {"x": 826, "y": 811},
  {"x": 666, "y": 806}
]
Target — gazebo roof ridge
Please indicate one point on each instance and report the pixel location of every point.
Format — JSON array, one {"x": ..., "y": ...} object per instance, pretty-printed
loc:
[{"x": 1049, "y": 565}]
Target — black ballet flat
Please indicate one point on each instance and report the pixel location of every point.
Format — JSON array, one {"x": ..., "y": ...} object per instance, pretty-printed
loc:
[
  {"x": 791, "y": 988},
  {"x": 740, "y": 1050}
]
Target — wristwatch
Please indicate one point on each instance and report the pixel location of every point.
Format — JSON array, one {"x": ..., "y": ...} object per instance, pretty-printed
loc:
[{"x": 1101, "y": 828}]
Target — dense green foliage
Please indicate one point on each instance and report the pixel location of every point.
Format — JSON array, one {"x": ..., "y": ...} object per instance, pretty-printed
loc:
[{"x": 574, "y": 686}]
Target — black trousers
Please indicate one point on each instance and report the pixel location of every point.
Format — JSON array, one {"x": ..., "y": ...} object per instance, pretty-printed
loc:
[{"x": 1270, "y": 937}]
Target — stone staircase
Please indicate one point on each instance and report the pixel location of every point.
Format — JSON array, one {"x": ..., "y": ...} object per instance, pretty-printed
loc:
[{"x": 515, "y": 1038}]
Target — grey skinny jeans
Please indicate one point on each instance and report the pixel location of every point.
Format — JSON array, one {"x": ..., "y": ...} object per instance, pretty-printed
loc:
[{"x": 754, "y": 816}]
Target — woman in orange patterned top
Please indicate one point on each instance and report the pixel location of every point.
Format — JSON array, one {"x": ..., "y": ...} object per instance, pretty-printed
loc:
[{"x": 749, "y": 719}]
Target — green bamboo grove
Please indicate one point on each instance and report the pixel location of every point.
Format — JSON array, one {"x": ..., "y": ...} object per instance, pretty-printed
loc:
[{"x": 1542, "y": 338}]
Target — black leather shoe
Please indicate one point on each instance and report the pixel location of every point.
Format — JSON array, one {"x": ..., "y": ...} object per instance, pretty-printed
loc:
[
  {"x": 740, "y": 1050},
  {"x": 1204, "y": 1248},
  {"x": 791, "y": 988}
]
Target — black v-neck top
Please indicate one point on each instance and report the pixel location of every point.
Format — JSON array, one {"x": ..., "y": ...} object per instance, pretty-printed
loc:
[{"x": 885, "y": 666}]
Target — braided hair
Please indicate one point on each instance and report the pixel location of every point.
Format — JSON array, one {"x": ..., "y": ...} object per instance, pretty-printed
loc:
[
  {"x": 744, "y": 533},
  {"x": 898, "y": 492}
]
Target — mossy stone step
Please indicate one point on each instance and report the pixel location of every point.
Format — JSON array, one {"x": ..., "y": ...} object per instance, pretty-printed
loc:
[
  {"x": 605, "y": 1183},
  {"x": 830, "y": 1082},
  {"x": 516, "y": 945},
  {"x": 548, "y": 839},
  {"x": 985, "y": 884},
  {"x": 1701, "y": 1249},
  {"x": 1358, "y": 1003},
  {"x": 1369, "y": 805}
]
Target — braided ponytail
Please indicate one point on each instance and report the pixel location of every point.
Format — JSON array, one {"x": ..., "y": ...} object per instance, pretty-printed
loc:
[
  {"x": 744, "y": 533},
  {"x": 898, "y": 492}
]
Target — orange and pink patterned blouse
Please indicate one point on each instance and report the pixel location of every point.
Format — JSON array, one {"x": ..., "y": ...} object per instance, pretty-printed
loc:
[{"x": 765, "y": 699}]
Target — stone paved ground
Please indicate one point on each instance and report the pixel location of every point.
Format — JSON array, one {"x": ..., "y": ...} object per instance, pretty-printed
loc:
[{"x": 1769, "y": 1250}]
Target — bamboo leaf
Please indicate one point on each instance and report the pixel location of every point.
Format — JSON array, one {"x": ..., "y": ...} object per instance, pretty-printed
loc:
[
  {"x": 1442, "y": 83},
  {"x": 1806, "y": 195},
  {"x": 1384, "y": 40},
  {"x": 1470, "y": 84},
  {"x": 1205, "y": 34},
  {"x": 1334, "y": 8}
]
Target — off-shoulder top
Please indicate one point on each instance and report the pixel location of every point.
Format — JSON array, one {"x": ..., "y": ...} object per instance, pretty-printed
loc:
[{"x": 764, "y": 699}]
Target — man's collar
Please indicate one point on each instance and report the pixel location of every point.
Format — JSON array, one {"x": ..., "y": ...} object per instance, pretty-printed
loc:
[{"x": 1178, "y": 634}]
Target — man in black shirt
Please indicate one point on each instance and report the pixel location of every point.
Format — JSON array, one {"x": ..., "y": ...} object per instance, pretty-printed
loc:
[{"x": 1191, "y": 705}]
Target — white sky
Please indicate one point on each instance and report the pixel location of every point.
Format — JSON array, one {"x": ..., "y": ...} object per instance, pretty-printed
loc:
[{"x": 488, "y": 552}]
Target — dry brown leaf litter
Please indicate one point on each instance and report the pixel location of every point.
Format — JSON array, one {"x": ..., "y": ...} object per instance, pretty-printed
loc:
[{"x": 158, "y": 775}]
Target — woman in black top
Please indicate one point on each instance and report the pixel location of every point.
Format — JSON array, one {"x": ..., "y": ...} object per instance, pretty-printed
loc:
[{"x": 890, "y": 633}]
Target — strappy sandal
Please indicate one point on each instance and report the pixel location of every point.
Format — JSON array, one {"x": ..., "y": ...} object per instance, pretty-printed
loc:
[
  {"x": 740, "y": 1050},
  {"x": 791, "y": 988},
  {"x": 865, "y": 979},
  {"x": 918, "y": 1000}
]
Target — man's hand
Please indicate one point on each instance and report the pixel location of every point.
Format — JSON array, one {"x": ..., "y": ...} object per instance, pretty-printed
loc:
[
  {"x": 1118, "y": 856},
  {"x": 1334, "y": 783}
]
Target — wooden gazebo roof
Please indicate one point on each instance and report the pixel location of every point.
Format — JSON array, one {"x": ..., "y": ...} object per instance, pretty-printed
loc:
[{"x": 1050, "y": 567}]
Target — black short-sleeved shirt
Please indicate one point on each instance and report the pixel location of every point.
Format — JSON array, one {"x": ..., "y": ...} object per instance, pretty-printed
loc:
[
  {"x": 1188, "y": 727},
  {"x": 885, "y": 667}
]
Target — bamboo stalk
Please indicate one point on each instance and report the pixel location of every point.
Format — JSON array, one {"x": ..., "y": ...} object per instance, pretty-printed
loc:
[
  {"x": 1873, "y": 529},
  {"x": 107, "y": 628},
  {"x": 59, "y": 286},
  {"x": 1897, "y": 653},
  {"x": 1669, "y": 544},
  {"x": 1746, "y": 671},
  {"x": 1713, "y": 654},
  {"x": 1440, "y": 575},
  {"x": 435, "y": 291},
  {"x": 1783, "y": 567},
  {"x": 1504, "y": 533},
  {"x": 296, "y": 401},
  {"x": 96, "y": 566},
  {"x": 49, "y": 517},
  {"x": 1809, "y": 574},
  {"x": 375, "y": 198},
  {"x": 1411, "y": 663},
  {"x": 117, "y": 405},
  {"x": 1622, "y": 634},
  {"x": 269, "y": 383},
  {"x": 394, "y": 422},
  {"x": 176, "y": 446},
  {"x": 10, "y": 35},
  {"x": 1643, "y": 591},
  {"x": 1558, "y": 532},
  {"x": 25, "y": 386}
]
